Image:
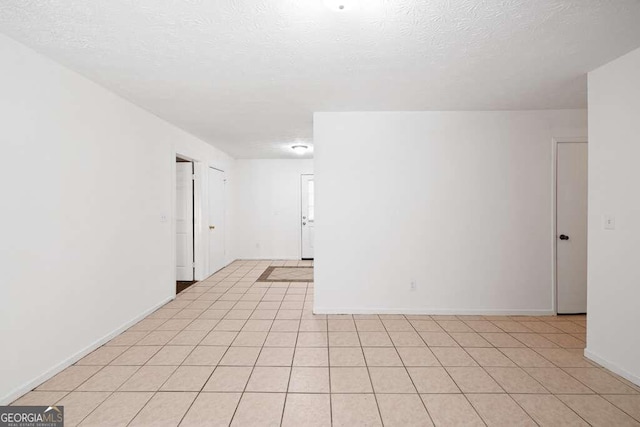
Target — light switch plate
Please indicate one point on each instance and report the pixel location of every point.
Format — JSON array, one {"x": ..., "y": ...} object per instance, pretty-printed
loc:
[{"x": 609, "y": 222}]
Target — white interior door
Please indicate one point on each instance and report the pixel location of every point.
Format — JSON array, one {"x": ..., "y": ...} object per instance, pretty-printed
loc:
[
  {"x": 184, "y": 221},
  {"x": 308, "y": 216},
  {"x": 571, "y": 227},
  {"x": 216, "y": 220}
]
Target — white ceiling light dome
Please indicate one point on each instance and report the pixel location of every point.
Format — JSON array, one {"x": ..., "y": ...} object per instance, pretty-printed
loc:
[
  {"x": 341, "y": 5},
  {"x": 300, "y": 149}
]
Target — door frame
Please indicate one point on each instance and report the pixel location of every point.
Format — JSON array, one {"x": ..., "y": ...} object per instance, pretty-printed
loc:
[
  {"x": 302, "y": 175},
  {"x": 554, "y": 210}
]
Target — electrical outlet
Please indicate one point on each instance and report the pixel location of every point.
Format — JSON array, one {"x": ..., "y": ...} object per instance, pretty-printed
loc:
[
  {"x": 413, "y": 285},
  {"x": 163, "y": 217},
  {"x": 609, "y": 222}
]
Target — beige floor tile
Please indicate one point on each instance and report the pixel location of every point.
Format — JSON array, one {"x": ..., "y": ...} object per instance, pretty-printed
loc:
[
  {"x": 257, "y": 325},
  {"x": 628, "y": 403},
  {"x": 451, "y": 410},
  {"x": 222, "y": 338},
  {"x": 540, "y": 327},
  {"x": 417, "y": 356},
  {"x": 564, "y": 358},
  {"x": 148, "y": 378},
  {"x": 354, "y": 410},
  {"x": 397, "y": 325},
  {"x": 313, "y": 325},
  {"x": 188, "y": 378},
  {"x": 489, "y": 357},
  {"x": 526, "y": 358},
  {"x": 174, "y": 325},
  {"x": 171, "y": 355},
  {"x": 240, "y": 356},
  {"x": 438, "y": 339},
  {"x": 432, "y": 380},
  {"x": 375, "y": 339},
  {"x": 406, "y": 339},
  {"x": 249, "y": 339},
  {"x": 157, "y": 338},
  {"x": 501, "y": 339},
  {"x": 566, "y": 340},
  {"x": 311, "y": 356},
  {"x": 309, "y": 380},
  {"x": 453, "y": 356},
  {"x": 403, "y": 410},
  {"x": 344, "y": 339},
  {"x": 313, "y": 410},
  {"x": 188, "y": 337},
  {"x": 391, "y": 380},
  {"x": 259, "y": 409},
  {"x": 312, "y": 339},
  {"x": 557, "y": 381},
  {"x": 118, "y": 410},
  {"x": 69, "y": 379},
  {"x": 40, "y": 398},
  {"x": 426, "y": 325},
  {"x": 599, "y": 381},
  {"x": 138, "y": 355},
  {"x": 281, "y": 339},
  {"x": 474, "y": 380},
  {"x": 228, "y": 379},
  {"x": 534, "y": 340},
  {"x": 454, "y": 326},
  {"x": 548, "y": 411},
  {"x": 102, "y": 356},
  {"x": 597, "y": 411},
  {"x": 269, "y": 379},
  {"x": 346, "y": 356},
  {"x": 110, "y": 378},
  {"x": 127, "y": 338},
  {"x": 205, "y": 355},
  {"x": 275, "y": 356},
  {"x": 341, "y": 325},
  {"x": 515, "y": 380},
  {"x": 482, "y": 326},
  {"x": 164, "y": 409},
  {"x": 211, "y": 409},
  {"x": 77, "y": 405},
  {"x": 285, "y": 326},
  {"x": 381, "y": 356},
  {"x": 350, "y": 380},
  {"x": 500, "y": 410},
  {"x": 369, "y": 325},
  {"x": 469, "y": 339}
]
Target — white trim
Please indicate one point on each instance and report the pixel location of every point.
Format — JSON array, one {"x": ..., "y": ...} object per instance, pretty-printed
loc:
[
  {"x": 27, "y": 387},
  {"x": 273, "y": 258},
  {"x": 554, "y": 206},
  {"x": 435, "y": 311},
  {"x": 612, "y": 367}
]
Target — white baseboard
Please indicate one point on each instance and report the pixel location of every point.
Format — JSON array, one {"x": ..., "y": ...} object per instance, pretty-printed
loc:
[
  {"x": 428, "y": 311},
  {"x": 30, "y": 385},
  {"x": 277, "y": 258},
  {"x": 612, "y": 367}
]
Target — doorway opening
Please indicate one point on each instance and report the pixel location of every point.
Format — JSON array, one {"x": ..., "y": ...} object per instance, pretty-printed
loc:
[
  {"x": 185, "y": 224},
  {"x": 571, "y": 226},
  {"x": 307, "y": 216}
]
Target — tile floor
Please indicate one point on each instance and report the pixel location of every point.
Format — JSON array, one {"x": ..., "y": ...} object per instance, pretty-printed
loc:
[{"x": 233, "y": 351}]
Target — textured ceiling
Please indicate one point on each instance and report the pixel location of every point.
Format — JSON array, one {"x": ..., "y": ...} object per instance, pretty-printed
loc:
[{"x": 247, "y": 75}]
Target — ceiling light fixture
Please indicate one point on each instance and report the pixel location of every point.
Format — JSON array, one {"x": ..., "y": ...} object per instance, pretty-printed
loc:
[
  {"x": 300, "y": 149},
  {"x": 340, "y": 5}
]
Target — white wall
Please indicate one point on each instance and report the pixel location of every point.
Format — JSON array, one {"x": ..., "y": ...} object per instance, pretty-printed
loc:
[
  {"x": 85, "y": 179},
  {"x": 614, "y": 189},
  {"x": 267, "y": 208},
  {"x": 460, "y": 202}
]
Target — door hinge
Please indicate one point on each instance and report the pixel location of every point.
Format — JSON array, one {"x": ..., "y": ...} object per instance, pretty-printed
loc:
[
  {"x": 193, "y": 264},
  {"x": 193, "y": 177}
]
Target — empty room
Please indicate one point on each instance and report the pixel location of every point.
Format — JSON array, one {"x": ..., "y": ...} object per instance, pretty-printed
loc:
[{"x": 320, "y": 213}]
